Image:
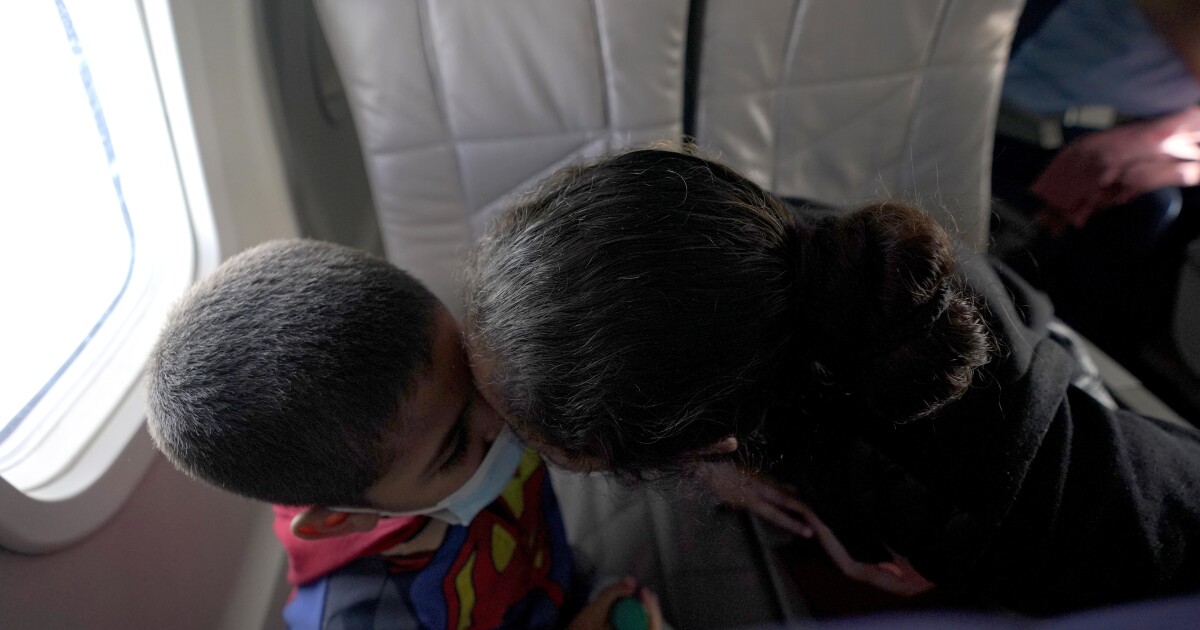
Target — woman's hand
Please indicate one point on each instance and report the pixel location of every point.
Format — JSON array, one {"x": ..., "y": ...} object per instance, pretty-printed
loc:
[
  {"x": 1112, "y": 167},
  {"x": 897, "y": 577},
  {"x": 771, "y": 501},
  {"x": 594, "y": 616},
  {"x": 777, "y": 504}
]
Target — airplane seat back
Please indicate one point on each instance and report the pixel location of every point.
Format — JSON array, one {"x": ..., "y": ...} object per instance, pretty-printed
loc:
[
  {"x": 460, "y": 106},
  {"x": 789, "y": 94}
]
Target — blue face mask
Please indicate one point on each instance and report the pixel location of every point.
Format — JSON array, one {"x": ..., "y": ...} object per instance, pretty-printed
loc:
[{"x": 489, "y": 480}]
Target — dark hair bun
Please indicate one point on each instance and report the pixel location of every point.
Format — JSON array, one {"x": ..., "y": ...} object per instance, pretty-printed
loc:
[{"x": 885, "y": 322}]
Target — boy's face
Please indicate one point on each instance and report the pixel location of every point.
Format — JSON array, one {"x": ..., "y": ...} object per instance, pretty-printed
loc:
[{"x": 445, "y": 429}]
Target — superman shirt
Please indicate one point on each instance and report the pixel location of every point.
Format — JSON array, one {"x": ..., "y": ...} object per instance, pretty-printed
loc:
[{"x": 509, "y": 568}]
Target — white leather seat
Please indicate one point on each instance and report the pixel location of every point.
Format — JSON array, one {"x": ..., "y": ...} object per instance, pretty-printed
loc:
[
  {"x": 842, "y": 102},
  {"x": 460, "y": 104}
]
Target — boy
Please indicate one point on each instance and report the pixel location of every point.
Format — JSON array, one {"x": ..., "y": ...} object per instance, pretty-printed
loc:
[{"x": 308, "y": 374}]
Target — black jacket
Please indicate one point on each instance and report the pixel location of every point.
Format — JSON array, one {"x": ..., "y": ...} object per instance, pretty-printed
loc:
[{"x": 1026, "y": 492}]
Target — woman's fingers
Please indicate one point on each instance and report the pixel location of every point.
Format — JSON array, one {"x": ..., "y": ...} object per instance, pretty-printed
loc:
[
  {"x": 649, "y": 600},
  {"x": 786, "y": 521},
  {"x": 779, "y": 509},
  {"x": 897, "y": 577},
  {"x": 787, "y": 499},
  {"x": 597, "y": 614},
  {"x": 835, "y": 550},
  {"x": 777, "y": 504}
]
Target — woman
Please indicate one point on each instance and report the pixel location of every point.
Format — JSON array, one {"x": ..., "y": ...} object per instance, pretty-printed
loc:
[{"x": 655, "y": 312}]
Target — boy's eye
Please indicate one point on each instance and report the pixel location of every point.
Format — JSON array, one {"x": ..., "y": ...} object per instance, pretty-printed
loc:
[
  {"x": 460, "y": 449},
  {"x": 458, "y": 437}
]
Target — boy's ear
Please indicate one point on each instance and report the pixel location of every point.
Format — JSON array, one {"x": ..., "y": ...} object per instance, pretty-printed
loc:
[
  {"x": 317, "y": 522},
  {"x": 723, "y": 446}
]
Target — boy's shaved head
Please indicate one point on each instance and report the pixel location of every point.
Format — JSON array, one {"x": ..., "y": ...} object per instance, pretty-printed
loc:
[{"x": 278, "y": 376}]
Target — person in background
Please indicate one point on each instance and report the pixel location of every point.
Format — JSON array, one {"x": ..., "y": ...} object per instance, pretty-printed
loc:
[{"x": 1096, "y": 148}]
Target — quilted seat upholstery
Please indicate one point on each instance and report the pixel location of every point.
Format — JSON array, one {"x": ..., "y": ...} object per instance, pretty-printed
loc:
[
  {"x": 461, "y": 104},
  {"x": 842, "y": 102}
]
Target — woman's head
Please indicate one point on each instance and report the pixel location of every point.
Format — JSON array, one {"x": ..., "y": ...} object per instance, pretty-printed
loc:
[{"x": 641, "y": 310}]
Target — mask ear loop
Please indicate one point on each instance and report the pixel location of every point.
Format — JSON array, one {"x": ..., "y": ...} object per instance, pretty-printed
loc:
[{"x": 488, "y": 482}]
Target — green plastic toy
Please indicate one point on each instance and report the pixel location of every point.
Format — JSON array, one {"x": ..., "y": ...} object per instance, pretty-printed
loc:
[{"x": 627, "y": 613}]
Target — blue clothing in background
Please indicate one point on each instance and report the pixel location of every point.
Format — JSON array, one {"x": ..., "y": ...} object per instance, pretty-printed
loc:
[{"x": 1098, "y": 52}]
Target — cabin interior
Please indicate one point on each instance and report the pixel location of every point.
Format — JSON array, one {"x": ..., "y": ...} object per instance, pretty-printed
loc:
[{"x": 403, "y": 128}]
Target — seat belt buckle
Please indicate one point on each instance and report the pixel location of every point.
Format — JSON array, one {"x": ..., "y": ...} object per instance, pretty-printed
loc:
[{"x": 1094, "y": 117}]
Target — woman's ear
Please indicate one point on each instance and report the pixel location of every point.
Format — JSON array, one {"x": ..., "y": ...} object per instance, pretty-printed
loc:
[
  {"x": 723, "y": 446},
  {"x": 318, "y": 522}
]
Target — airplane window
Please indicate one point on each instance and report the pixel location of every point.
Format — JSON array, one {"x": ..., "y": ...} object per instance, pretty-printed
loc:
[
  {"x": 96, "y": 239},
  {"x": 52, "y": 225}
]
